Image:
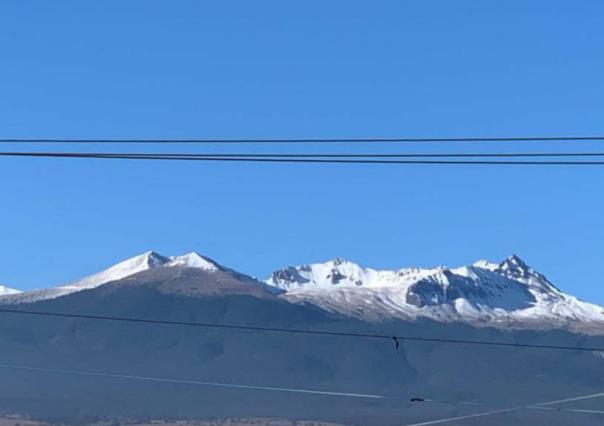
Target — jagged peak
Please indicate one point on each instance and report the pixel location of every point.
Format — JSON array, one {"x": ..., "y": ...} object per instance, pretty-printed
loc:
[
  {"x": 514, "y": 266},
  {"x": 514, "y": 259},
  {"x": 152, "y": 257}
]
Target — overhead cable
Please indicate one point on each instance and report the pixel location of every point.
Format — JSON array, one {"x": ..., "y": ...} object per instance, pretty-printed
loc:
[{"x": 388, "y": 337}]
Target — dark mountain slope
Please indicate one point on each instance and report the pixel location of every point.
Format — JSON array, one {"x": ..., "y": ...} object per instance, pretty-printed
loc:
[{"x": 496, "y": 376}]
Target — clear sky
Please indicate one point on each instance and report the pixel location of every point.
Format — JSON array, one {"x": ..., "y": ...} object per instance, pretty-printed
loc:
[{"x": 204, "y": 69}]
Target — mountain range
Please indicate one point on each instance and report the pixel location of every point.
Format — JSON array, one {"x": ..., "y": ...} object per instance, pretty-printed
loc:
[{"x": 505, "y": 294}]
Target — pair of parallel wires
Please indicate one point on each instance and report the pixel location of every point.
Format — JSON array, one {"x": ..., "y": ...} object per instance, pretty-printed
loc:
[{"x": 557, "y": 158}]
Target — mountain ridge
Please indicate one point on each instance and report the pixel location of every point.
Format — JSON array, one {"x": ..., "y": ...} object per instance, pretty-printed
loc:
[{"x": 505, "y": 294}]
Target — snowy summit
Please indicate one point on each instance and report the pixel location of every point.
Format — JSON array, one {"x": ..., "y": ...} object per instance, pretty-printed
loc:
[
  {"x": 508, "y": 293},
  {"x": 124, "y": 269}
]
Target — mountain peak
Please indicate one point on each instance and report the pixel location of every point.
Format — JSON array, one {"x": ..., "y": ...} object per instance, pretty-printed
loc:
[
  {"x": 146, "y": 261},
  {"x": 194, "y": 260},
  {"x": 516, "y": 267},
  {"x": 334, "y": 272},
  {"x": 515, "y": 259},
  {"x": 123, "y": 269}
]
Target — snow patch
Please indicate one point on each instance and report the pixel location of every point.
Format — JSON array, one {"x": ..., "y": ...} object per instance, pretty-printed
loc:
[
  {"x": 485, "y": 264},
  {"x": 5, "y": 291},
  {"x": 193, "y": 260},
  {"x": 134, "y": 265}
]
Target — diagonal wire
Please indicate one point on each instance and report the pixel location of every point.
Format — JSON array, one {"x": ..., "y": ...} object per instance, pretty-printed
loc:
[
  {"x": 547, "y": 406},
  {"x": 539, "y": 406},
  {"x": 192, "y": 382},
  {"x": 465, "y": 417}
]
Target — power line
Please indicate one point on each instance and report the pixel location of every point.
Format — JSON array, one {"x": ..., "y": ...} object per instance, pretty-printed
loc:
[
  {"x": 312, "y": 155},
  {"x": 298, "y": 331},
  {"x": 567, "y": 410},
  {"x": 466, "y": 417},
  {"x": 556, "y": 138},
  {"x": 539, "y": 406},
  {"x": 572, "y": 399},
  {"x": 542, "y": 406},
  {"x": 209, "y": 158}
]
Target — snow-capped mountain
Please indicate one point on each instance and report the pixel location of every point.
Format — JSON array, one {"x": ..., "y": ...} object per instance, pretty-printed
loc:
[
  {"x": 508, "y": 293},
  {"x": 4, "y": 291},
  {"x": 192, "y": 288},
  {"x": 144, "y": 262}
]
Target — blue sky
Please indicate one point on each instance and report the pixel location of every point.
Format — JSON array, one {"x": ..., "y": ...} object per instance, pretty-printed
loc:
[{"x": 229, "y": 69}]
